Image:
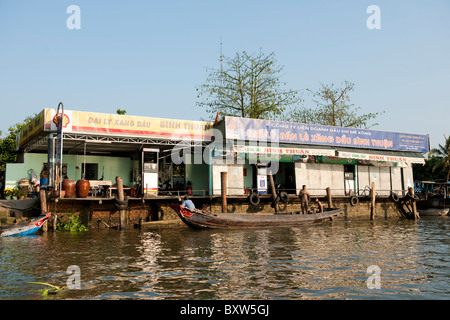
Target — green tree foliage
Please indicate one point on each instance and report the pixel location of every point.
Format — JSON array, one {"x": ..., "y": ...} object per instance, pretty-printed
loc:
[
  {"x": 442, "y": 153},
  {"x": 120, "y": 111},
  {"x": 437, "y": 166},
  {"x": 247, "y": 86},
  {"x": 8, "y": 144},
  {"x": 424, "y": 172},
  {"x": 333, "y": 108}
]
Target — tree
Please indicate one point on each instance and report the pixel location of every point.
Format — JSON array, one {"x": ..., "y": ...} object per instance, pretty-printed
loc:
[
  {"x": 424, "y": 172},
  {"x": 443, "y": 155},
  {"x": 333, "y": 108},
  {"x": 120, "y": 111},
  {"x": 8, "y": 144},
  {"x": 247, "y": 86}
]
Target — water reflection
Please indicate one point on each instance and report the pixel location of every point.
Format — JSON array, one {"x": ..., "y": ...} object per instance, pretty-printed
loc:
[{"x": 328, "y": 261}]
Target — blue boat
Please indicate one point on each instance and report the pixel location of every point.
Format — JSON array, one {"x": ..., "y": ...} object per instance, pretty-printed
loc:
[{"x": 26, "y": 228}]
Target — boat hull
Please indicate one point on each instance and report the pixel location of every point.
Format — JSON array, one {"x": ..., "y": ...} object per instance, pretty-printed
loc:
[
  {"x": 434, "y": 212},
  {"x": 26, "y": 229},
  {"x": 200, "y": 220}
]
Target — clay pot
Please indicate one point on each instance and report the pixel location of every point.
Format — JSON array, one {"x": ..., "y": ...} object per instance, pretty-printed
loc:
[
  {"x": 69, "y": 186},
  {"x": 83, "y": 187}
]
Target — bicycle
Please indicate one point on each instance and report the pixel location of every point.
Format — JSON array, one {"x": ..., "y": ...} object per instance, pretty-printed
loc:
[{"x": 366, "y": 192}]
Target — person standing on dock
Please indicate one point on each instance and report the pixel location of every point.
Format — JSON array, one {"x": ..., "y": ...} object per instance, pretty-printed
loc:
[{"x": 304, "y": 194}]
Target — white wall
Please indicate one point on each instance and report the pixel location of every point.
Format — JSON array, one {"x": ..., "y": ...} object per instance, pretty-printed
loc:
[
  {"x": 235, "y": 178},
  {"x": 408, "y": 180},
  {"x": 396, "y": 180},
  {"x": 382, "y": 176},
  {"x": 317, "y": 177}
]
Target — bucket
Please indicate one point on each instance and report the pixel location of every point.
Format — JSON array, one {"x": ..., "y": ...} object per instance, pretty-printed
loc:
[{"x": 43, "y": 181}]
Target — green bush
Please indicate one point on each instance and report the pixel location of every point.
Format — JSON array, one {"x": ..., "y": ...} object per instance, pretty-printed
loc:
[{"x": 71, "y": 223}]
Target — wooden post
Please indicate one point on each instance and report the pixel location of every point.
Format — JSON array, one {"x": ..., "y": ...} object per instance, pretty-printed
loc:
[
  {"x": 43, "y": 200},
  {"x": 274, "y": 191},
  {"x": 223, "y": 186},
  {"x": 121, "y": 197},
  {"x": 329, "y": 200},
  {"x": 44, "y": 208},
  {"x": 413, "y": 204},
  {"x": 55, "y": 221},
  {"x": 372, "y": 202}
]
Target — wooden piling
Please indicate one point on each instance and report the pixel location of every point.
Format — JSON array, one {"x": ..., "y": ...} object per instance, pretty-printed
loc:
[
  {"x": 413, "y": 204},
  {"x": 223, "y": 186},
  {"x": 274, "y": 191},
  {"x": 44, "y": 208},
  {"x": 329, "y": 199},
  {"x": 121, "y": 197},
  {"x": 372, "y": 202},
  {"x": 43, "y": 200},
  {"x": 55, "y": 221}
]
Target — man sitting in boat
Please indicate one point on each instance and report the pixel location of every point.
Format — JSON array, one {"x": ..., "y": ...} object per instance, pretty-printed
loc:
[
  {"x": 188, "y": 204},
  {"x": 319, "y": 208}
]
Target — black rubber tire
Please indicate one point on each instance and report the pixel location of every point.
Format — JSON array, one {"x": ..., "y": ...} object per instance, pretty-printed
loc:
[
  {"x": 394, "y": 197},
  {"x": 415, "y": 198},
  {"x": 354, "y": 201},
  {"x": 284, "y": 197},
  {"x": 121, "y": 205},
  {"x": 254, "y": 198}
]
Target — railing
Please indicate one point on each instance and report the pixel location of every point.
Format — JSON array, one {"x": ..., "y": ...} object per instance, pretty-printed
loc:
[{"x": 314, "y": 192}]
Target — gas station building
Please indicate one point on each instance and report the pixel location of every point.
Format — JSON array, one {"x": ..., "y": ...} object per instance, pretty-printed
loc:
[{"x": 158, "y": 157}]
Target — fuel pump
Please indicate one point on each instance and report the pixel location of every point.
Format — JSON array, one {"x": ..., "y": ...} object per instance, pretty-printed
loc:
[{"x": 149, "y": 171}]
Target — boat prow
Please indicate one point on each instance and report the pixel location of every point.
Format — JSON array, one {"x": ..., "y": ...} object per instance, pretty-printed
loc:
[
  {"x": 25, "y": 228},
  {"x": 199, "y": 220},
  {"x": 434, "y": 212}
]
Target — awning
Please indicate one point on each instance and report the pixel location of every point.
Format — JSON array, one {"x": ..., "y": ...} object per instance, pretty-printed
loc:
[{"x": 380, "y": 155}]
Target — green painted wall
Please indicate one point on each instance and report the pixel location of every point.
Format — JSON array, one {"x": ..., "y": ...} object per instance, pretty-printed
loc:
[
  {"x": 113, "y": 166},
  {"x": 198, "y": 174},
  {"x": 248, "y": 180}
]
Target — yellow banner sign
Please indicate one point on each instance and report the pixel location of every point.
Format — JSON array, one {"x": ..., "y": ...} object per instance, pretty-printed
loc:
[
  {"x": 115, "y": 124},
  {"x": 31, "y": 129},
  {"x": 90, "y": 122}
]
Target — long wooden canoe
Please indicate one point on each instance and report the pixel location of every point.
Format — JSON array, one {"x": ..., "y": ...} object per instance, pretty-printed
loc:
[{"x": 198, "y": 220}]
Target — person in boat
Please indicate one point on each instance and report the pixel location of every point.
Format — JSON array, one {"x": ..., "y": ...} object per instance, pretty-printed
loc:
[
  {"x": 319, "y": 208},
  {"x": 303, "y": 194},
  {"x": 187, "y": 203}
]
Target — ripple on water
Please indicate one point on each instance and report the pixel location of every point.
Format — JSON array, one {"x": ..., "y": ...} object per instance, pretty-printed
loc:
[{"x": 319, "y": 262}]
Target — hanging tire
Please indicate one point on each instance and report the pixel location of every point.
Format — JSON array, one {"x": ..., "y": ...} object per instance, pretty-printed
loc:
[
  {"x": 254, "y": 198},
  {"x": 275, "y": 202},
  {"x": 354, "y": 201},
  {"x": 121, "y": 205},
  {"x": 284, "y": 197},
  {"x": 394, "y": 197},
  {"x": 410, "y": 197}
]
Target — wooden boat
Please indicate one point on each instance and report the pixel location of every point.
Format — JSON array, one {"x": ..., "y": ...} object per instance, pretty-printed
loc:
[
  {"x": 198, "y": 220},
  {"x": 26, "y": 228},
  {"x": 433, "y": 212}
]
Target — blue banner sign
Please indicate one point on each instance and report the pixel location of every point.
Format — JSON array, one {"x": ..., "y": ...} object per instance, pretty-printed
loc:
[{"x": 297, "y": 133}]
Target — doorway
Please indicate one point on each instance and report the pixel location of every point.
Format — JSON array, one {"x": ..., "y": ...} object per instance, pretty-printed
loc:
[
  {"x": 349, "y": 180},
  {"x": 91, "y": 171}
]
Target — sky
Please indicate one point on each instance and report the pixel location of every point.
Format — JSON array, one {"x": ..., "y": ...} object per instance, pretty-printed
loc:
[{"x": 147, "y": 57}]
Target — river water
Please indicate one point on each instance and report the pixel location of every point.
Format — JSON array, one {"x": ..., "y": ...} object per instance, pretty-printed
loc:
[{"x": 337, "y": 260}]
